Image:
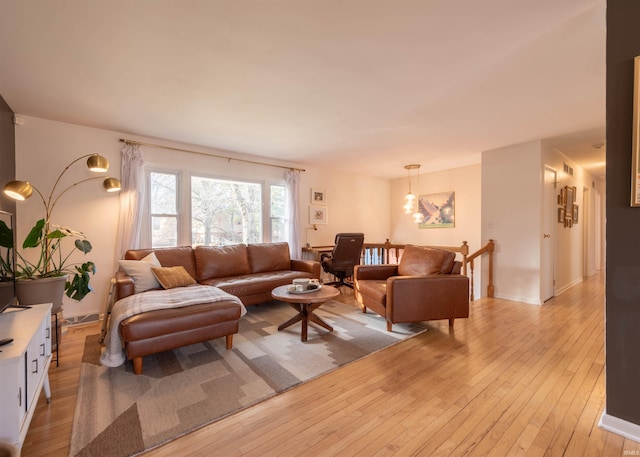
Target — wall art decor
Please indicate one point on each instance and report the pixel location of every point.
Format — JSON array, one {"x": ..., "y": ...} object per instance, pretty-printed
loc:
[
  {"x": 318, "y": 214},
  {"x": 568, "y": 211},
  {"x": 438, "y": 210},
  {"x": 318, "y": 197}
]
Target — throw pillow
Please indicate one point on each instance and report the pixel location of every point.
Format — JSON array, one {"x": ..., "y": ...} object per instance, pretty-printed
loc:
[
  {"x": 170, "y": 277},
  {"x": 423, "y": 261},
  {"x": 140, "y": 271}
]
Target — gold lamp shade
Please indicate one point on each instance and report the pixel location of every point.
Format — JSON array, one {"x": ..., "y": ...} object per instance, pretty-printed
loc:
[
  {"x": 97, "y": 163},
  {"x": 18, "y": 190},
  {"x": 112, "y": 185}
]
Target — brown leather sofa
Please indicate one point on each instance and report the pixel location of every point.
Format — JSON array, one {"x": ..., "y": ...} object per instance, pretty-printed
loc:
[
  {"x": 425, "y": 285},
  {"x": 249, "y": 272}
]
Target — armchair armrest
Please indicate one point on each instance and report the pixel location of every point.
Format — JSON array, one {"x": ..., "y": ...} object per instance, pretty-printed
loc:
[
  {"x": 308, "y": 266},
  {"x": 364, "y": 272},
  {"x": 124, "y": 285}
]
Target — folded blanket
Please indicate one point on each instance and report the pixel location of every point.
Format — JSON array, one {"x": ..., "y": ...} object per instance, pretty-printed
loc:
[{"x": 113, "y": 354}]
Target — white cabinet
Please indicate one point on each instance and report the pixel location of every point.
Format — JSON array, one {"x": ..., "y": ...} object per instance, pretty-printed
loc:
[{"x": 24, "y": 366}]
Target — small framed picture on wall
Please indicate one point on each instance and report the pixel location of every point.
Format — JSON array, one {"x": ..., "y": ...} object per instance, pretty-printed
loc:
[
  {"x": 318, "y": 197},
  {"x": 318, "y": 214}
]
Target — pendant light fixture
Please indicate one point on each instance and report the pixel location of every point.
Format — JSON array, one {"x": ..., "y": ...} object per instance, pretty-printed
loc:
[
  {"x": 411, "y": 204},
  {"x": 410, "y": 199}
]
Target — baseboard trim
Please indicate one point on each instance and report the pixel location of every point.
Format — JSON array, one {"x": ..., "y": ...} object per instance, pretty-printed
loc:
[
  {"x": 620, "y": 427},
  {"x": 83, "y": 319},
  {"x": 568, "y": 286},
  {"x": 518, "y": 299}
]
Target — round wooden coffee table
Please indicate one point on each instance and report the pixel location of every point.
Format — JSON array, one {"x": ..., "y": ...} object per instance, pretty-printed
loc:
[{"x": 305, "y": 304}]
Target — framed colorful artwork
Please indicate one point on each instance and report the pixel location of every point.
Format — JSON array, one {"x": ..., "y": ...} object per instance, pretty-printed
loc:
[{"x": 438, "y": 210}]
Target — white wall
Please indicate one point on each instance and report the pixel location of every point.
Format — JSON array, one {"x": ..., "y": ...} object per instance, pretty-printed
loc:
[
  {"x": 466, "y": 183},
  {"x": 511, "y": 208},
  {"x": 355, "y": 204},
  {"x": 44, "y": 148},
  {"x": 512, "y": 192}
]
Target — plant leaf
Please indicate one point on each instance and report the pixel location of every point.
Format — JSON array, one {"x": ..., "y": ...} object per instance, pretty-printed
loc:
[
  {"x": 6, "y": 235},
  {"x": 83, "y": 246},
  {"x": 56, "y": 234},
  {"x": 35, "y": 235},
  {"x": 79, "y": 286}
]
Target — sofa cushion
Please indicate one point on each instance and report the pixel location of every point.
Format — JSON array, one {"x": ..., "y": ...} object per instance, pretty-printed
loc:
[
  {"x": 375, "y": 289},
  {"x": 140, "y": 271},
  {"x": 168, "y": 257},
  {"x": 423, "y": 261},
  {"x": 255, "y": 283},
  {"x": 170, "y": 277},
  {"x": 221, "y": 261},
  {"x": 269, "y": 257}
]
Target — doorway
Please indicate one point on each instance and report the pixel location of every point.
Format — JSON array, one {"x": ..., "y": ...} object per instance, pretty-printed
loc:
[{"x": 548, "y": 251}]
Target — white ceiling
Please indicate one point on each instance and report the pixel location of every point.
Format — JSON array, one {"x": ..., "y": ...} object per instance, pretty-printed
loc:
[{"x": 367, "y": 85}]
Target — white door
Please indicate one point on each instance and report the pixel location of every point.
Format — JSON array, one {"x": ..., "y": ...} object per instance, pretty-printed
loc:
[{"x": 550, "y": 213}]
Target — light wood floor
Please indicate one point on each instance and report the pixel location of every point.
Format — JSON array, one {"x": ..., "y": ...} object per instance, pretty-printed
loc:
[{"x": 513, "y": 379}]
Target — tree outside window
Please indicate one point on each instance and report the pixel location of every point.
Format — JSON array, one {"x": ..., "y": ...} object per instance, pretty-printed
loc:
[{"x": 225, "y": 212}]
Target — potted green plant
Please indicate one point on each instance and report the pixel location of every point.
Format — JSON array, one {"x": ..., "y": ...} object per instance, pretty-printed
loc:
[{"x": 50, "y": 263}]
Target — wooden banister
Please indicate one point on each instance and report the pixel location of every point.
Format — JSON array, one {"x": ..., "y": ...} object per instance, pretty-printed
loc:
[
  {"x": 387, "y": 252},
  {"x": 488, "y": 248}
]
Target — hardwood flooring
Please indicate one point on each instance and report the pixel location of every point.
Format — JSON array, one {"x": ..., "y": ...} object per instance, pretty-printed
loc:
[{"x": 512, "y": 380}]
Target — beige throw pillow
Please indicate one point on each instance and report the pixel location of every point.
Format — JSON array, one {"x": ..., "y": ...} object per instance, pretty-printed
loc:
[
  {"x": 140, "y": 271},
  {"x": 170, "y": 277}
]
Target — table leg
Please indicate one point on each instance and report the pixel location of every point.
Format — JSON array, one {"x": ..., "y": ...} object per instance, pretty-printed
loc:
[
  {"x": 294, "y": 319},
  {"x": 305, "y": 314}
]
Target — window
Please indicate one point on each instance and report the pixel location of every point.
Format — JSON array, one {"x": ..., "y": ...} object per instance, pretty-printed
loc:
[
  {"x": 277, "y": 217},
  {"x": 225, "y": 212},
  {"x": 209, "y": 211},
  {"x": 163, "y": 204}
]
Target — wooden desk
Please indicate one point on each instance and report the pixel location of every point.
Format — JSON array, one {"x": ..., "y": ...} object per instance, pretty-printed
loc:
[{"x": 313, "y": 253}]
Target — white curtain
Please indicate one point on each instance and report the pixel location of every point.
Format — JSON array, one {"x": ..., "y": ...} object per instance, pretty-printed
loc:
[
  {"x": 292, "y": 177},
  {"x": 132, "y": 198}
]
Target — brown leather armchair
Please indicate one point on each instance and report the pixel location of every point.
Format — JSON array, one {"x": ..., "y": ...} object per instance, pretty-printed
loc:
[{"x": 425, "y": 285}]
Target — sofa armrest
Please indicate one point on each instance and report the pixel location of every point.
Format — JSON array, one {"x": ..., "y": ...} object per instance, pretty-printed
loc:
[
  {"x": 124, "y": 285},
  {"x": 429, "y": 297},
  {"x": 364, "y": 272},
  {"x": 308, "y": 266}
]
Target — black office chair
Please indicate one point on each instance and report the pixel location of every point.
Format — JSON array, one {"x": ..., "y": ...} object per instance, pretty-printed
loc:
[{"x": 346, "y": 253}]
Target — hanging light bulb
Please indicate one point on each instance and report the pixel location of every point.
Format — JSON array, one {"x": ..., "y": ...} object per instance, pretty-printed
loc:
[
  {"x": 409, "y": 203},
  {"x": 408, "y": 208},
  {"x": 410, "y": 199}
]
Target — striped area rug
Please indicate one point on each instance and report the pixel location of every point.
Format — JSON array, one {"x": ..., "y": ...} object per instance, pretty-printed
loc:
[{"x": 120, "y": 414}]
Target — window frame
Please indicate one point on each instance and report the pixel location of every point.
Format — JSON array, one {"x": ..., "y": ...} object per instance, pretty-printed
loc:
[{"x": 183, "y": 203}]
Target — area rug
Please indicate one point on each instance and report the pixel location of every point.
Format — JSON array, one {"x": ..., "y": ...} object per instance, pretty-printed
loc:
[{"x": 120, "y": 414}]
